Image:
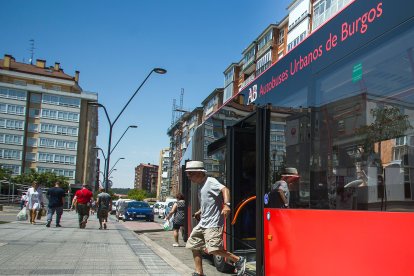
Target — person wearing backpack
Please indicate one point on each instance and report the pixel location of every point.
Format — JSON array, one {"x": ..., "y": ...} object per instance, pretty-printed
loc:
[{"x": 104, "y": 204}]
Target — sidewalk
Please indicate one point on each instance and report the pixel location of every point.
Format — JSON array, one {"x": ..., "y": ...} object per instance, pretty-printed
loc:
[
  {"x": 34, "y": 249},
  {"x": 160, "y": 241},
  {"x": 126, "y": 248}
]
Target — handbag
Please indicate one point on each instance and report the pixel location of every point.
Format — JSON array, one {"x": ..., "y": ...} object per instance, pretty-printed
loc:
[{"x": 43, "y": 212}]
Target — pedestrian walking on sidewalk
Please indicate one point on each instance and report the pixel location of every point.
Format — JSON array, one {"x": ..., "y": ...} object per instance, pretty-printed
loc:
[
  {"x": 34, "y": 200},
  {"x": 177, "y": 211},
  {"x": 215, "y": 208},
  {"x": 56, "y": 197},
  {"x": 104, "y": 204},
  {"x": 82, "y": 200},
  {"x": 23, "y": 200}
]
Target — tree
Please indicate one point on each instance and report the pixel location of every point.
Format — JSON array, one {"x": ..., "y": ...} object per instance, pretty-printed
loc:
[
  {"x": 137, "y": 194},
  {"x": 47, "y": 179},
  {"x": 388, "y": 123},
  {"x": 4, "y": 174}
]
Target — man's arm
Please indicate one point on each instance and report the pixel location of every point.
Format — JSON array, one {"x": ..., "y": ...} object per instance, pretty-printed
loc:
[
  {"x": 226, "y": 199},
  {"x": 283, "y": 197},
  {"x": 74, "y": 201}
]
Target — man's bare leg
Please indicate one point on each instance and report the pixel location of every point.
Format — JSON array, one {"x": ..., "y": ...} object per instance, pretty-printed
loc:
[{"x": 198, "y": 261}]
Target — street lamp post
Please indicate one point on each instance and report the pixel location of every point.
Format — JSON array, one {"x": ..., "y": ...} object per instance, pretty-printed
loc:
[
  {"x": 132, "y": 126},
  {"x": 111, "y": 124},
  {"x": 104, "y": 157},
  {"x": 112, "y": 169}
]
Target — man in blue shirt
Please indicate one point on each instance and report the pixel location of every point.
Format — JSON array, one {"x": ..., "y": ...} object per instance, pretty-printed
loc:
[{"x": 56, "y": 197}]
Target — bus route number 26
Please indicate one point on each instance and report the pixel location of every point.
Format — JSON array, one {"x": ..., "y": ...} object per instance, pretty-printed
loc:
[{"x": 252, "y": 94}]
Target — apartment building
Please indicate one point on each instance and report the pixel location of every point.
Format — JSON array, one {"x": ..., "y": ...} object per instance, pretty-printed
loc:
[
  {"x": 146, "y": 176},
  {"x": 181, "y": 133},
  {"x": 45, "y": 121},
  {"x": 163, "y": 180},
  {"x": 323, "y": 10}
]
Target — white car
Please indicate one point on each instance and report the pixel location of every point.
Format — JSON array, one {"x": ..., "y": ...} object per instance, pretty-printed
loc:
[
  {"x": 113, "y": 211},
  {"x": 156, "y": 207},
  {"x": 161, "y": 209}
]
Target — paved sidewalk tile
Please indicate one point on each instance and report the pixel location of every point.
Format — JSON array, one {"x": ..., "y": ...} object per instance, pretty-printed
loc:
[{"x": 27, "y": 249}]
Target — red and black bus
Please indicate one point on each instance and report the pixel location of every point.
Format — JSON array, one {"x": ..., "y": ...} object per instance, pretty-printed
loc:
[{"x": 339, "y": 110}]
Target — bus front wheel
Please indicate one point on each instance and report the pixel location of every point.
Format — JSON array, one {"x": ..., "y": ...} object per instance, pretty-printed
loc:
[{"x": 221, "y": 264}]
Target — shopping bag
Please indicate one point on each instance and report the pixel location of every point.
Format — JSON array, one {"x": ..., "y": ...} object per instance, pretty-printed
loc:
[
  {"x": 39, "y": 214},
  {"x": 22, "y": 215},
  {"x": 167, "y": 225}
]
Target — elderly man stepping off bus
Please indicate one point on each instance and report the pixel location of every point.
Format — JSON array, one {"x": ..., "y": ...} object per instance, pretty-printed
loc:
[{"x": 215, "y": 207}]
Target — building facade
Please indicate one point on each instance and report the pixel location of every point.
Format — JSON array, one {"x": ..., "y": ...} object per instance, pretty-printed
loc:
[
  {"x": 163, "y": 180},
  {"x": 146, "y": 177},
  {"x": 46, "y": 124}
]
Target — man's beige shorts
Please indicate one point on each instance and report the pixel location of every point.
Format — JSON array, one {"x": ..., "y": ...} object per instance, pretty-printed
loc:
[{"x": 210, "y": 238}]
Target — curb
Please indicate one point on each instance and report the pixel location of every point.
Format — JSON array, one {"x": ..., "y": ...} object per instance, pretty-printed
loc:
[
  {"x": 166, "y": 255},
  {"x": 147, "y": 230}
]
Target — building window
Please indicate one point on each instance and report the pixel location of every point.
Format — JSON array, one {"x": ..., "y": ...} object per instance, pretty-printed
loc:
[
  {"x": 30, "y": 156},
  {"x": 12, "y": 109},
  {"x": 33, "y": 127},
  {"x": 268, "y": 37},
  {"x": 11, "y": 139},
  {"x": 11, "y": 124},
  {"x": 60, "y": 100},
  {"x": 15, "y": 169},
  {"x": 35, "y": 98},
  {"x": 323, "y": 10},
  {"x": 281, "y": 38},
  {"x": 10, "y": 154},
  {"x": 31, "y": 142},
  {"x": 12, "y": 93},
  {"x": 34, "y": 113},
  {"x": 263, "y": 63}
]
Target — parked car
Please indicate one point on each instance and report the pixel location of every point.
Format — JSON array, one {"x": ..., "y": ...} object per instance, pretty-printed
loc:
[
  {"x": 113, "y": 210},
  {"x": 138, "y": 210},
  {"x": 161, "y": 209},
  {"x": 156, "y": 207},
  {"x": 168, "y": 207},
  {"x": 120, "y": 208}
]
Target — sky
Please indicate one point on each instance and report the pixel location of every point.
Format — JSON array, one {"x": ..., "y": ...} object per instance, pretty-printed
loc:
[{"x": 115, "y": 44}]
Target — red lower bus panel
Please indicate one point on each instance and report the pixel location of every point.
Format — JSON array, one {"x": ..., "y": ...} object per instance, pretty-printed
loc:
[{"x": 323, "y": 242}]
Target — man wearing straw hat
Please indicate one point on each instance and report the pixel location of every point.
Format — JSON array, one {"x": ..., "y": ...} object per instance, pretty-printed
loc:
[{"x": 214, "y": 209}]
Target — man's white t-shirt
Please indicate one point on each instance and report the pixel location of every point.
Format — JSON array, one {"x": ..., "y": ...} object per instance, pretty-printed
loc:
[{"x": 211, "y": 201}]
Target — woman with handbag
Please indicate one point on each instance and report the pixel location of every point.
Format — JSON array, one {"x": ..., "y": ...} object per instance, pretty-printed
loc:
[
  {"x": 34, "y": 201},
  {"x": 177, "y": 211}
]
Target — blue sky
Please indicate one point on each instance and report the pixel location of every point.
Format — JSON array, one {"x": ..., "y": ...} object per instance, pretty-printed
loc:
[{"x": 115, "y": 46}]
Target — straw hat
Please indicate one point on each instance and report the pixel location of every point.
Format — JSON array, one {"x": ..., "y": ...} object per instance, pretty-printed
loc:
[{"x": 195, "y": 166}]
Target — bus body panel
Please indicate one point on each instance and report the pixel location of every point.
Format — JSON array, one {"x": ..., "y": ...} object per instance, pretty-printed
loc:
[{"x": 322, "y": 242}]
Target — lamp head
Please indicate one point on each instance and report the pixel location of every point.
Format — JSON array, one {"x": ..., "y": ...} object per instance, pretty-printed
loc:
[
  {"x": 159, "y": 70},
  {"x": 133, "y": 126},
  {"x": 95, "y": 104}
]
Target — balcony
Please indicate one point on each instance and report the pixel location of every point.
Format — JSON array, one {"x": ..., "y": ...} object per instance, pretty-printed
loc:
[
  {"x": 247, "y": 81},
  {"x": 249, "y": 66}
]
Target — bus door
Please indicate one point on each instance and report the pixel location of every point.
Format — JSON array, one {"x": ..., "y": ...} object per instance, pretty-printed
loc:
[{"x": 246, "y": 171}]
